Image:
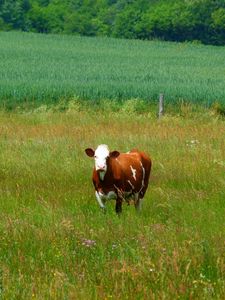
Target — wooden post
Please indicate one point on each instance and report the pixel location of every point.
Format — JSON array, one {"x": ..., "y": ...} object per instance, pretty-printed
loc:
[{"x": 161, "y": 106}]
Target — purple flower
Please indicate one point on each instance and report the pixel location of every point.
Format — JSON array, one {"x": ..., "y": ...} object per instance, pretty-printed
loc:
[{"x": 88, "y": 243}]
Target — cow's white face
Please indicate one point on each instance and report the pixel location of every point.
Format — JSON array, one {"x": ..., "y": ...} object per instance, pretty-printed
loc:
[{"x": 101, "y": 155}]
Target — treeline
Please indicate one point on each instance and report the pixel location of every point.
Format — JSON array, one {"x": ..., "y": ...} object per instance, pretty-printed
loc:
[{"x": 180, "y": 20}]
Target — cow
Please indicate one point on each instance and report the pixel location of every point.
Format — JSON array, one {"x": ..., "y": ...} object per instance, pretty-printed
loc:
[{"x": 120, "y": 176}]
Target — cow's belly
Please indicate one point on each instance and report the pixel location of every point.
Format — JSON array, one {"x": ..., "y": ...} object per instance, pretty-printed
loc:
[
  {"x": 103, "y": 197},
  {"x": 107, "y": 196},
  {"x": 112, "y": 195}
]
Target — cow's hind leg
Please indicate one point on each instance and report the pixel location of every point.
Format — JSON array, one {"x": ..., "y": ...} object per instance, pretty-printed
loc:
[
  {"x": 137, "y": 201},
  {"x": 118, "y": 205}
]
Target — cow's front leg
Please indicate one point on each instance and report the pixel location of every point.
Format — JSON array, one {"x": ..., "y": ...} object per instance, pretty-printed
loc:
[
  {"x": 118, "y": 205},
  {"x": 99, "y": 199}
]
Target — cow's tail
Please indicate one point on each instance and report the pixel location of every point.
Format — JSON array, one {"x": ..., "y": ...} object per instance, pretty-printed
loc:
[{"x": 147, "y": 164}]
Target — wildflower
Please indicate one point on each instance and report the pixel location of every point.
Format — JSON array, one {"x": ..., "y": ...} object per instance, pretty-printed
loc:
[
  {"x": 192, "y": 143},
  {"x": 88, "y": 243},
  {"x": 151, "y": 270},
  {"x": 114, "y": 246}
]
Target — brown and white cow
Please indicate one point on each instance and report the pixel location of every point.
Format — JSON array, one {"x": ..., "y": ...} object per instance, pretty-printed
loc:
[{"x": 120, "y": 176}]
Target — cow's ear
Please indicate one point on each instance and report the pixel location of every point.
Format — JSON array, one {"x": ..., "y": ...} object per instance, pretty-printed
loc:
[
  {"x": 114, "y": 154},
  {"x": 90, "y": 152}
]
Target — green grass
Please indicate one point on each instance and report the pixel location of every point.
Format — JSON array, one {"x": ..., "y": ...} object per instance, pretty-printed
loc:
[
  {"x": 37, "y": 69},
  {"x": 48, "y": 213}
]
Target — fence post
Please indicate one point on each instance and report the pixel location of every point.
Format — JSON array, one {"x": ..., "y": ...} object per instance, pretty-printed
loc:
[{"x": 161, "y": 106}]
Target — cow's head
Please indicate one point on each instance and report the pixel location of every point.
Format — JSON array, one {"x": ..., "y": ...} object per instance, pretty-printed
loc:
[{"x": 101, "y": 156}]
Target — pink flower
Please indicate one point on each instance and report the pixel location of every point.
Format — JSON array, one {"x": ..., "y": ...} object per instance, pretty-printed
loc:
[{"x": 88, "y": 243}]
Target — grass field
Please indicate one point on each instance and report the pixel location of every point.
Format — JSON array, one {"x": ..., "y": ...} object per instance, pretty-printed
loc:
[
  {"x": 36, "y": 69},
  {"x": 55, "y": 243}
]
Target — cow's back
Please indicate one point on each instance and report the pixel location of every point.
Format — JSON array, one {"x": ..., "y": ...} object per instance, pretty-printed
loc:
[{"x": 135, "y": 157}]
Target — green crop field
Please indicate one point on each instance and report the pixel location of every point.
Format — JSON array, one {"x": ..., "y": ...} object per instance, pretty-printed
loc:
[
  {"x": 39, "y": 69},
  {"x": 55, "y": 243}
]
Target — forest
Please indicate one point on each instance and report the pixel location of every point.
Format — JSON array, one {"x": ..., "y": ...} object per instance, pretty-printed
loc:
[{"x": 199, "y": 21}]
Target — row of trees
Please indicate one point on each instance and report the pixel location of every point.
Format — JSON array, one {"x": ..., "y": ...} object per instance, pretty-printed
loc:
[{"x": 174, "y": 20}]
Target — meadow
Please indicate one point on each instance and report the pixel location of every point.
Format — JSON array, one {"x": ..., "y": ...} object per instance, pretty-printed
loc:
[
  {"x": 40, "y": 69},
  {"x": 55, "y": 243}
]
